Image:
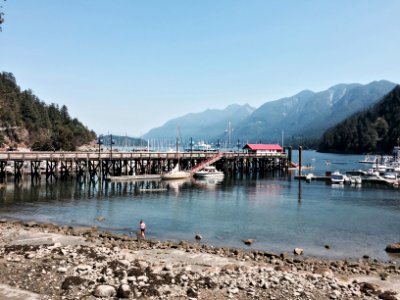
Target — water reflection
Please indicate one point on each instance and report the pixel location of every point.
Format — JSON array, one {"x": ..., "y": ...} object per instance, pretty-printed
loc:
[{"x": 208, "y": 183}]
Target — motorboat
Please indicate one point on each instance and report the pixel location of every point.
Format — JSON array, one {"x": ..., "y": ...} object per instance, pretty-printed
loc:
[
  {"x": 337, "y": 178},
  {"x": 176, "y": 173},
  {"x": 209, "y": 172},
  {"x": 355, "y": 180},
  {"x": 390, "y": 175}
]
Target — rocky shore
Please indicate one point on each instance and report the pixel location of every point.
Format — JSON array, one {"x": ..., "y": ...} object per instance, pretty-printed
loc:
[{"x": 44, "y": 261}]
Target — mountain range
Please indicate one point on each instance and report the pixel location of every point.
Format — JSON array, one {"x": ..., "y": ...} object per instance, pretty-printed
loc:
[
  {"x": 206, "y": 126},
  {"x": 375, "y": 130},
  {"x": 306, "y": 115}
]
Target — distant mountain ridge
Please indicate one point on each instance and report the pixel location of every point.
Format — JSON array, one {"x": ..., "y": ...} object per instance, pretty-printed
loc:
[
  {"x": 305, "y": 115},
  {"x": 205, "y": 125}
]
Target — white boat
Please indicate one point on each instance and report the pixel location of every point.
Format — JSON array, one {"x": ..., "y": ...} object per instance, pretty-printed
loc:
[
  {"x": 390, "y": 175},
  {"x": 309, "y": 177},
  {"x": 209, "y": 172},
  {"x": 201, "y": 147},
  {"x": 372, "y": 174},
  {"x": 369, "y": 159},
  {"x": 176, "y": 173},
  {"x": 355, "y": 180},
  {"x": 337, "y": 178}
]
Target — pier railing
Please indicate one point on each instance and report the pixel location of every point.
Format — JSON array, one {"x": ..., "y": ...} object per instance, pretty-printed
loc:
[{"x": 71, "y": 156}]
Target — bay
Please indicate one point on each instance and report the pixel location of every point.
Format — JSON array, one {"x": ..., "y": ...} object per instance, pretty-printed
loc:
[{"x": 275, "y": 210}]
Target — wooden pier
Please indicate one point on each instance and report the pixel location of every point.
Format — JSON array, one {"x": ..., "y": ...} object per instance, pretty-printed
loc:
[{"x": 103, "y": 165}]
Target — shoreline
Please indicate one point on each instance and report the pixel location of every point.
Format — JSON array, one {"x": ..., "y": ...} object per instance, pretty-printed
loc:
[
  {"x": 84, "y": 262},
  {"x": 252, "y": 247}
]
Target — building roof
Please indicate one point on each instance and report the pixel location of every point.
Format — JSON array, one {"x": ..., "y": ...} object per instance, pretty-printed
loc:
[{"x": 269, "y": 147}]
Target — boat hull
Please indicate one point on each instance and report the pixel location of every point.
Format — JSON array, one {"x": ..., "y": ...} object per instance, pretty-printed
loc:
[
  {"x": 176, "y": 175},
  {"x": 203, "y": 175}
]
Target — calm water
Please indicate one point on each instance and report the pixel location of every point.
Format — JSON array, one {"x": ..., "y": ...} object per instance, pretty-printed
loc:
[{"x": 274, "y": 210}]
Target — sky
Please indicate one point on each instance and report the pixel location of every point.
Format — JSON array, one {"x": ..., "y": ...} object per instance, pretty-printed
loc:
[{"x": 124, "y": 66}]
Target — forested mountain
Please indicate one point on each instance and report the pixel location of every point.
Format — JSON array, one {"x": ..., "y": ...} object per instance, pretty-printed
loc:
[
  {"x": 374, "y": 130},
  {"x": 307, "y": 114},
  {"x": 201, "y": 126},
  {"x": 26, "y": 120}
]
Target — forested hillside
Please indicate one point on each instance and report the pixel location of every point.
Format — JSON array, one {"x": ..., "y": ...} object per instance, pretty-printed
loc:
[
  {"x": 374, "y": 130},
  {"x": 26, "y": 120}
]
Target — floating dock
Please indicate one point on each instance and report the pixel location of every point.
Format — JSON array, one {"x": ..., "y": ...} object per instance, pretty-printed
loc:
[
  {"x": 134, "y": 177},
  {"x": 365, "y": 180},
  {"x": 151, "y": 190}
]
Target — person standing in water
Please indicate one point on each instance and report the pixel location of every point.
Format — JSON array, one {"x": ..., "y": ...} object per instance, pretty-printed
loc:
[{"x": 142, "y": 226}]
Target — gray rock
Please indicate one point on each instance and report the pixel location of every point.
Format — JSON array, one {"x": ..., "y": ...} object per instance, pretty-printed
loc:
[
  {"x": 143, "y": 278},
  {"x": 31, "y": 224},
  {"x": 81, "y": 230},
  {"x": 298, "y": 251},
  {"x": 198, "y": 237},
  {"x": 125, "y": 263},
  {"x": 393, "y": 248},
  {"x": 248, "y": 242},
  {"x": 100, "y": 218},
  {"x": 124, "y": 291},
  {"x": 104, "y": 291},
  {"x": 30, "y": 256},
  {"x": 62, "y": 270}
]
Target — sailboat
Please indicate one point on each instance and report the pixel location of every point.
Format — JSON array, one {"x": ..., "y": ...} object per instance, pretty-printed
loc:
[{"x": 176, "y": 173}]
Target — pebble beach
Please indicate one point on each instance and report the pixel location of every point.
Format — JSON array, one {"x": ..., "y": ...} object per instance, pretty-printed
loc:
[{"x": 46, "y": 261}]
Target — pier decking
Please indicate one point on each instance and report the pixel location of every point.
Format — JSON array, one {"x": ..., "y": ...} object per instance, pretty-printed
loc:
[{"x": 103, "y": 165}]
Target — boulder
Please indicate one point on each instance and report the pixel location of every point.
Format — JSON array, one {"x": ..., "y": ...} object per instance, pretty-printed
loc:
[
  {"x": 298, "y": 251},
  {"x": 198, "y": 237},
  {"x": 104, "y": 290},
  {"x": 393, "y": 248},
  {"x": 248, "y": 242}
]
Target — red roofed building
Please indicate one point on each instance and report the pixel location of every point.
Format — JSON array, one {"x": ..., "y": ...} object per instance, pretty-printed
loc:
[{"x": 263, "y": 148}]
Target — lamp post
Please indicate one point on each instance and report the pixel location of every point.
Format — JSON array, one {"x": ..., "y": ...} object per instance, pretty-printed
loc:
[
  {"x": 191, "y": 145},
  {"x": 112, "y": 142},
  {"x": 218, "y": 145},
  {"x": 100, "y": 142}
]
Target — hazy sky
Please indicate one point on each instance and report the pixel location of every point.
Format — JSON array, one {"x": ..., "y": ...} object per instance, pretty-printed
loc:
[{"x": 126, "y": 66}]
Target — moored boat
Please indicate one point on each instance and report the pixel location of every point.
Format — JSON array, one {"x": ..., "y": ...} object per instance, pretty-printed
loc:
[
  {"x": 337, "y": 178},
  {"x": 176, "y": 173},
  {"x": 209, "y": 172}
]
